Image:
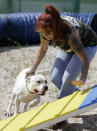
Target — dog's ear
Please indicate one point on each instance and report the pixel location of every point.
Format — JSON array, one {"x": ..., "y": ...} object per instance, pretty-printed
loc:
[{"x": 28, "y": 79}]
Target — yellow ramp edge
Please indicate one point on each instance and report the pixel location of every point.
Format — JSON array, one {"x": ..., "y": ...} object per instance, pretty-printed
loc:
[
  {"x": 6, "y": 122},
  {"x": 22, "y": 119},
  {"x": 57, "y": 108},
  {"x": 76, "y": 102},
  {"x": 50, "y": 111},
  {"x": 44, "y": 113}
]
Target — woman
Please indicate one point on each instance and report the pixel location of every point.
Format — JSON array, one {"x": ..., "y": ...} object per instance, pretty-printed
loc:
[{"x": 77, "y": 42}]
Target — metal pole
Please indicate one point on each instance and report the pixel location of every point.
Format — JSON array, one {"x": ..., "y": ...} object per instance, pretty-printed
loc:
[
  {"x": 76, "y": 6},
  {"x": 19, "y": 5}
]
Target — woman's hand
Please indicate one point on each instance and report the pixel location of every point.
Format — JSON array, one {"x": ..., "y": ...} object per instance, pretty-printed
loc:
[
  {"x": 30, "y": 73},
  {"x": 78, "y": 83}
]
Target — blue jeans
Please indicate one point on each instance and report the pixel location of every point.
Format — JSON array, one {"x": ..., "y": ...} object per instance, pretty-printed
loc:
[{"x": 66, "y": 68}]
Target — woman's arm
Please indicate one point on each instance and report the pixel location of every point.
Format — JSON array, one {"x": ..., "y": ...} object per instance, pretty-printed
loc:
[
  {"x": 40, "y": 55},
  {"x": 78, "y": 48}
]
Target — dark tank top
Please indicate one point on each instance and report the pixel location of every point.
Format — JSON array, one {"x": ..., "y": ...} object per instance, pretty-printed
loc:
[{"x": 86, "y": 34}]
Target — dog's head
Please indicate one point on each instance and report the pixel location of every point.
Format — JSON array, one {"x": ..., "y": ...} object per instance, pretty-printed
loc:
[{"x": 37, "y": 84}]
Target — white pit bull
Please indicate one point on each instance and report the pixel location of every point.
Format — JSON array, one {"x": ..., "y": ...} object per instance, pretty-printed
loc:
[{"x": 27, "y": 91}]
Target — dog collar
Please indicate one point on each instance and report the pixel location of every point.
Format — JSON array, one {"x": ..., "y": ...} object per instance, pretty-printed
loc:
[{"x": 29, "y": 90}]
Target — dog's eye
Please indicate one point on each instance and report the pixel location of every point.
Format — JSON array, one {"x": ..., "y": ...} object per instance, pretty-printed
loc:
[
  {"x": 38, "y": 82},
  {"x": 46, "y": 81}
]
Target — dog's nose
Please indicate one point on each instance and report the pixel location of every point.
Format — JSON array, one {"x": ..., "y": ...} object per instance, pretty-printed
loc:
[{"x": 46, "y": 88}]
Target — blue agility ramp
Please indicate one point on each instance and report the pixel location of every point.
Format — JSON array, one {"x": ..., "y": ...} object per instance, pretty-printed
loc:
[
  {"x": 54, "y": 112},
  {"x": 19, "y": 28}
]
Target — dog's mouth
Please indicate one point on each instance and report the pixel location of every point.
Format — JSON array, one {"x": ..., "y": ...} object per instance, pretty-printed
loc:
[{"x": 39, "y": 92}]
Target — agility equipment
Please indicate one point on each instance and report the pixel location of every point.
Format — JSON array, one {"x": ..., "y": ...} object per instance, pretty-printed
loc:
[
  {"x": 50, "y": 113},
  {"x": 19, "y": 28}
]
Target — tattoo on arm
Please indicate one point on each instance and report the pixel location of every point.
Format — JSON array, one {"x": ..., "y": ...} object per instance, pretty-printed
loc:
[
  {"x": 76, "y": 45},
  {"x": 79, "y": 48}
]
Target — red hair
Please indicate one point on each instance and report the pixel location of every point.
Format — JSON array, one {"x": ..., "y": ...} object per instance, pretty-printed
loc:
[{"x": 51, "y": 19}]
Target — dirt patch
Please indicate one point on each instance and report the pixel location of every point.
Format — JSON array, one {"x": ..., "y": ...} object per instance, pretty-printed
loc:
[{"x": 13, "y": 60}]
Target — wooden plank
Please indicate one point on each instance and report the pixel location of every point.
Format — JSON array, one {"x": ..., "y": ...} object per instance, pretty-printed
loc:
[
  {"x": 50, "y": 111},
  {"x": 76, "y": 102},
  {"x": 22, "y": 119},
  {"x": 6, "y": 122}
]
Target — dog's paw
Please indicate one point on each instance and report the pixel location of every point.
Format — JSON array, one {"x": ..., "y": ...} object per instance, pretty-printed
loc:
[
  {"x": 7, "y": 114},
  {"x": 31, "y": 105}
]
